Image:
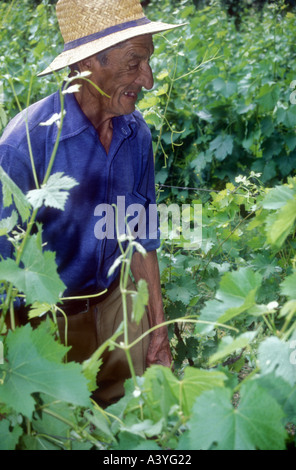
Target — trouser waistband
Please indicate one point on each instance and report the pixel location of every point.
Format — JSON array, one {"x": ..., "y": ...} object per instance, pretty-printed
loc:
[{"x": 76, "y": 306}]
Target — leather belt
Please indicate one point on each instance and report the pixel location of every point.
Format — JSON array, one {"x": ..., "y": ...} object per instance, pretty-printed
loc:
[{"x": 75, "y": 306}]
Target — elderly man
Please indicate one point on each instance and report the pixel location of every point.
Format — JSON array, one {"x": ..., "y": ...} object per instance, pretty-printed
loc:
[{"x": 106, "y": 146}]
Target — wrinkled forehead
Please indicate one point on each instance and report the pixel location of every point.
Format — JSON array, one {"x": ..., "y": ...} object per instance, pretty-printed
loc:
[{"x": 141, "y": 46}]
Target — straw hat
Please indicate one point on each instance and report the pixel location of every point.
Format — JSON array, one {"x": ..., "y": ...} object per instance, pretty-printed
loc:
[{"x": 91, "y": 26}]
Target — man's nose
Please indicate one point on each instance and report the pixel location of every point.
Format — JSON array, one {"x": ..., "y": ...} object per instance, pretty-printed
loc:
[{"x": 145, "y": 77}]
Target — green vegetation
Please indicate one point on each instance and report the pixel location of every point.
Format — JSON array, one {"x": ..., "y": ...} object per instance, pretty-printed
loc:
[{"x": 223, "y": 118}]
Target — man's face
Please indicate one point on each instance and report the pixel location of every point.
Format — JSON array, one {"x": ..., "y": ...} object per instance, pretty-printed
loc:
[{"x": 126, "y": 72}]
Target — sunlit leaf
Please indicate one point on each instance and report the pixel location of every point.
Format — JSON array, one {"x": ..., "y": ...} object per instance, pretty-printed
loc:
[
  {"x": 31, "y": 366},
  {"x": 54, "y": 193}
]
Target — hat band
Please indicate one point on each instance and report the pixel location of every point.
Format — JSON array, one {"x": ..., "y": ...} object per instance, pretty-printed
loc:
[{"x": 105, "y": 32}]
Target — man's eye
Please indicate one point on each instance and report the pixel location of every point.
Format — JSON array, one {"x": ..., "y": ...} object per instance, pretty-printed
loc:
[{"x": 133, "y": 65}]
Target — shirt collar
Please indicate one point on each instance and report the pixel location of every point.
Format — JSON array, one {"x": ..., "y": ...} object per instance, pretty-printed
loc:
[{"x": 75, "y": 121}]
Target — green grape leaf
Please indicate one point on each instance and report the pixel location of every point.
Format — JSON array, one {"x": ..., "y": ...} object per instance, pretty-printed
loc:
[
  {"x": 8, "y": 438},
  {"x": 38, "y": 280},
  {"x": 53, "y": 193},
  {"x": 33, "y": 365},
  {"x": 236, "y": 286},
  {"x": 277, "y": 197},
  {"x": 194, "y": 383},
  {"x": 12, "y": 193},
  {"x": 133, "y": 442},
  {"x": 230, "y": 345},
  {"x": 222, "y": 146},
  {"x": 236, "y": 294},
  {"x": 288, "y": 286},
  {"x": 140, "y": 300},
  {"x": 103, "y": 429},
  {"x": 182, "y": 291},
  {"x": 6, "y": 225},
  {"x": 275, "y": 356},
  {"x": 167, "y": 390},
  {"x": 48, "y": 424},
  {"x": 283, "y": 392},
  {"x": 282, "y": 223},
  {"x": 216, "y": 424},
  {"x": 268, "y": 97}
]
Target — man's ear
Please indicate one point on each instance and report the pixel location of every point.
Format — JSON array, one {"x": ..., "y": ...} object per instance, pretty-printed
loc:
[{"x": 86, "y": 65}]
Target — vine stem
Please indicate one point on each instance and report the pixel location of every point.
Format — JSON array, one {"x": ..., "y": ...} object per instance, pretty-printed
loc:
[
  {"x": 82, "y": 433},
  {"x": 174, "y": 79},
  {"x": 26, "y": 124},
  {"x": 123, "y": 289},
  {"x": 166, "y": 107},
  {"x": 124, "y": 275},
  {"x": 178, "y": 320}
]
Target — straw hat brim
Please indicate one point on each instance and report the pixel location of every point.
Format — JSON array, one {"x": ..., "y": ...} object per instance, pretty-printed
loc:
[{"x": 72, "y": 56}]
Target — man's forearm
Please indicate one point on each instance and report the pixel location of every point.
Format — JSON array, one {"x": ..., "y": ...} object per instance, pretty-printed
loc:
[{"x": 147, "y": 268}]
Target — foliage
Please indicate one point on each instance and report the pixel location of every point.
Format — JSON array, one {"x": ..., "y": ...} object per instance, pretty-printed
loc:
[
  {"x": 234, "y": 113},
  {"x": 29, "y": 34},
  {"x": 230, "y": 304}
]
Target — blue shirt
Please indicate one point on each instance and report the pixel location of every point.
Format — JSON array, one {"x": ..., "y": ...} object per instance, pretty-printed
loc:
[{"x": 83, "y": 257}]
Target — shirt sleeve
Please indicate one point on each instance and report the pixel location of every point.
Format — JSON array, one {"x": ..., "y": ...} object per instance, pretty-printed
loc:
[{"x": 150, "y": 240}]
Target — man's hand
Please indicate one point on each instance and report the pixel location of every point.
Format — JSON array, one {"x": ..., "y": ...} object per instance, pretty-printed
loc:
[{"x": 159, "y": 349}]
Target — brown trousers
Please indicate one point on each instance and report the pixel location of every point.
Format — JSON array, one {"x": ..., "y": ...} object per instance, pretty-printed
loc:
[{"x": 87, "y": 331}]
